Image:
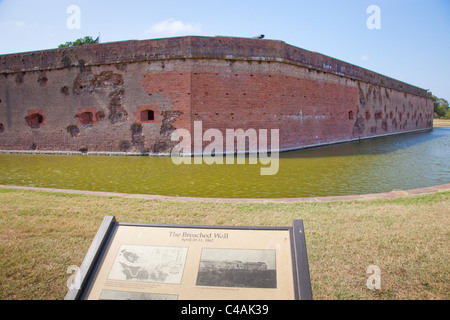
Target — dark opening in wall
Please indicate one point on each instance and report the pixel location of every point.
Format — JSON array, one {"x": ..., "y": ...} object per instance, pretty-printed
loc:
[
  {"x": 34, "y": 119},
  {"x": 367, "y": 115},
  {"x": 351, "y": 115},
  {"x": 86, "y": 118},
  {"x": 147, "y": 115},
  {"x": 378, "y": 115},
  {"x": 2, "y": 128},
  {"x": 400, "y": 116},
  {"x": 391, "y": 115}
]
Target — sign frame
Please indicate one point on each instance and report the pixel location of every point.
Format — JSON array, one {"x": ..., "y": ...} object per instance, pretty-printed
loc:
[{"x": 106, "y": 235}]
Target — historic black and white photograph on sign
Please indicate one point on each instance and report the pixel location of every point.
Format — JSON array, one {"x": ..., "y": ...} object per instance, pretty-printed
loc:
[
  {"x": 149, "y": 264},
  {"x": 237, "y": 268}
]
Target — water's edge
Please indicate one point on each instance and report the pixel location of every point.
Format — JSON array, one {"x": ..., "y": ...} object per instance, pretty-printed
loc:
[
  {"x": 386, "y": 195},
  {"x": 108, "y": 153}
]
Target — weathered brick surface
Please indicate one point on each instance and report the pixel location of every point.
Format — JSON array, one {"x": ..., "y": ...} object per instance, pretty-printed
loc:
[{"x": 227, "y": 83}]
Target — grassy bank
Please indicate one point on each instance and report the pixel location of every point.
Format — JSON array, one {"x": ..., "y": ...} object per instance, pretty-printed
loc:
[
  {"x": 441, "y": 123},
  {"x": 41, "y": 234}
]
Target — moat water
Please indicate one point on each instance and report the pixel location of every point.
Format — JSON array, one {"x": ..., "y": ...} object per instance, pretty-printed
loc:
[{"x": 400, "y": 162}]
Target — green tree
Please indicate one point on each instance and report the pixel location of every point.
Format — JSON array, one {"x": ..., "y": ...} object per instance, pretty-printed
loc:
[
  {"x": 79, "y": 42},
  {"x": 441, "y": 108},
  {"x": 447, "y": 114}
]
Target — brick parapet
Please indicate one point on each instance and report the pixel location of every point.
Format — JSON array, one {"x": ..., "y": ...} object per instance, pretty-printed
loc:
[{"x": 194, "y": 47}]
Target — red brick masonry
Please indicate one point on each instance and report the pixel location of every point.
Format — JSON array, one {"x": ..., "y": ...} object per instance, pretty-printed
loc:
[{"x": 94, "y": 97}]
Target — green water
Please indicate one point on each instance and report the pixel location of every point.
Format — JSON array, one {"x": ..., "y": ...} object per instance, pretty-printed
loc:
[{"x": 384, "y": 164}]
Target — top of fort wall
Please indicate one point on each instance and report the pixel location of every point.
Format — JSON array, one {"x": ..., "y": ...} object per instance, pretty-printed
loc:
[{"x": 194, "y": 47}]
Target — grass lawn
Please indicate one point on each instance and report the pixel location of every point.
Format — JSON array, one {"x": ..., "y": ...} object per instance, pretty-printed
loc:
[
  {"x": 441, "y": 123},
  {"x": 43, "y": 233}
]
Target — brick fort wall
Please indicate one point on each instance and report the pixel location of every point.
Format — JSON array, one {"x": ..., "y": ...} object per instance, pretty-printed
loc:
[{"x": 130, "y": 96}]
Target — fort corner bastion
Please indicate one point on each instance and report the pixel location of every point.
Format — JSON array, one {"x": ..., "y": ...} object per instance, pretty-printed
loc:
[{"x": 130, "y": 96}]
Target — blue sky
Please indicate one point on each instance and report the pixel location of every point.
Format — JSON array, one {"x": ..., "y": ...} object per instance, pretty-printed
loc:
[{"x": 412, "y": 44}]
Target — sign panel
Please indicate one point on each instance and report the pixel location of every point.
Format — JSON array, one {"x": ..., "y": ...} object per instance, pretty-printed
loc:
[{"x": 161, "y": 262}]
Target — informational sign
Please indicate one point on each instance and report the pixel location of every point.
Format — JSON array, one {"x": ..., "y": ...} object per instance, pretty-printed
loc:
[{"x": 172, "y": 262}]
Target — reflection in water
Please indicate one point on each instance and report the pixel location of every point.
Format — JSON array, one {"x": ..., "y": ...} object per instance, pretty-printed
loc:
[{"x": 383, "y": 164}]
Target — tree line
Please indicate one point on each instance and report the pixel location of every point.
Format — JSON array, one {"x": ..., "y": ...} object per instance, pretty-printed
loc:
[
  {"x": 79, "y": 42},
  {"x": 441, "y": 108}
]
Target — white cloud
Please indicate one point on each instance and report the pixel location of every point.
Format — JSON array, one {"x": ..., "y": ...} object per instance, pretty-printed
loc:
[
  {"x": 364, "y": 58},
  {"x": 174, "y": 27},
  {"x": 20, "y": 24}
]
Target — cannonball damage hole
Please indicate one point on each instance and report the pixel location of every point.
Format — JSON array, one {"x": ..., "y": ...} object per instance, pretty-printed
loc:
[
  {"x": 100, "y": 115},
  {"x": 351, "y": 115},
  {"x": 65, "y": 90},
  {"x": 73, "y": 130},
  {"x": 34, "y": 120}
]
